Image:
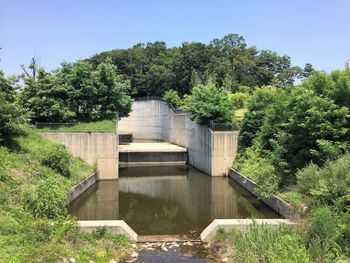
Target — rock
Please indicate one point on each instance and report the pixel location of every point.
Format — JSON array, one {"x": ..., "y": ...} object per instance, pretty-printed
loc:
[
  {"x": 71, "y": 260},
  {"x": 224, "y": 259},
  {"x": 189, "y": 243},
  {"x": 176, "y": 245},
  {"x": 188, "y": 254},
  {"x": 164, "y": 248},
  {"x": 206, "y": 246},
  {"x": 133, "y": 245},
  {"x": 134, "y": 254}
]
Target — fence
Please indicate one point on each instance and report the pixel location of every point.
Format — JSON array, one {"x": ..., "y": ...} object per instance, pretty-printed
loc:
[
  {"x": 54, "y": 125},
  {"x": 223, "y": 126}
]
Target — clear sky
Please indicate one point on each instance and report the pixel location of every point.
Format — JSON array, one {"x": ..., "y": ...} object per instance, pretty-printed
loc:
[{"x": 314, "y": 31}]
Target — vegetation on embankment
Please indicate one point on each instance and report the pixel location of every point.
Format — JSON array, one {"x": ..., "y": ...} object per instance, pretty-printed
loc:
[
  {"x": 35, "y": 177},
  {"x": 104, "y": 126},
  {"x": 295, "y": 144}
]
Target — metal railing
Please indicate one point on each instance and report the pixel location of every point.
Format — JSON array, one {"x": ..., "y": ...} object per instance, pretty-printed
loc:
[
  {"x": 147, "y": 98},
  {"x": 214, "y": 126},
  {"x": 54, "y": 125}
]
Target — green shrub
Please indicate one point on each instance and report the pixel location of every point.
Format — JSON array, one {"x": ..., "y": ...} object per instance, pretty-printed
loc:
[
  {"x": 208, "y": 103},
  {"x": 238, "y": 99},
  {"x": 58, "y": 159},
  {"x": 325, "y": 230},
  {"x": 48, "y": 200},
  {"x": 100, "y": 232},
  {"x": 327, "y": 185},
  {"x": 259, "y": 170},
  {"x": 66, "y": 229},
  {"x": 173, "y": 98}
]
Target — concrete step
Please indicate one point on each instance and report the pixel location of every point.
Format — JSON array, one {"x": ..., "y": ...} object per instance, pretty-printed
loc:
[
  {"x": 166, "y": 238},
  {"x": 151, "y": 153}
]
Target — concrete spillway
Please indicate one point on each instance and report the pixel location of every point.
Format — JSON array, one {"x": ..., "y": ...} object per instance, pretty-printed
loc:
[{"x": 155, "y": 153}]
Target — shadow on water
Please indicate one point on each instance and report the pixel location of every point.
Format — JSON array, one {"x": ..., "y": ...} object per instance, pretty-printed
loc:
[{"x": 167, "y": 200}]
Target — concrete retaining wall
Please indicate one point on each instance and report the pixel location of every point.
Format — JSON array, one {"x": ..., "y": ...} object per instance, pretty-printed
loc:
[
  {"x": 115, "y": 226},
  {"x": 92, "y": 147},
  {"x": 209, "y": 232},
  {"x": 277, "y": 204},
  {"x": 208, "y": 151},
  {"x": 81, "y": 187}
]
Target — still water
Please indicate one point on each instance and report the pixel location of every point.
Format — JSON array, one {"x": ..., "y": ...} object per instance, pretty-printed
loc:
[{"x": 167, "y": 200}]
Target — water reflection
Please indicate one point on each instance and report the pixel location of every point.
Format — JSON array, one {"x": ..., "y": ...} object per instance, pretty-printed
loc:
[{"x": 167, "y": 200}]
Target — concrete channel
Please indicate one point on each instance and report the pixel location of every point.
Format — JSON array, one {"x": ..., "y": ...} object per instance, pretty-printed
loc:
[{"x": 182, "y": 141}]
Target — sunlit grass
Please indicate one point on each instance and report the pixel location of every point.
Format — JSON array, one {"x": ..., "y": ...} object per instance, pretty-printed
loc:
[{"x": 103, "y": 126}]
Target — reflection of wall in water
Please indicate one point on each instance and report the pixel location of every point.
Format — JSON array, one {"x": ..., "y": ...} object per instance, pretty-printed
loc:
[
  {"x": 196, "y": 193},
  {"x": 99, "y": 202}
]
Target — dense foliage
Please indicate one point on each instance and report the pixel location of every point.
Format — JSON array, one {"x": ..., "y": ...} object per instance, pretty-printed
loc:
[
  {"x": 76, "y": 92},
  {"x": 153, "y": 68},
  {"x": 11, "y": 115},
  {"x": 295, "y": 143},
  {"x": 209, "y": 103},
  {"x": 172, "y": 97},
  {"x": 58, "y": 159},
  {"x": 298, "y": 125}
]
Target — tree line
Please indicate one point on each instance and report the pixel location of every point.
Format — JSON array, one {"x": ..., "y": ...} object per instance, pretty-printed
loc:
[{"x": 153, "y": 68}]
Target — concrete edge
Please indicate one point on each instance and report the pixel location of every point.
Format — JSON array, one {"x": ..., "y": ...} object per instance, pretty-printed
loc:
[
  {"x": 81, "y": 187},
  {"x": 136, "y": 164},
  {"x": 148, "y": 150},
  {"x": 115, "y": 226},
  {"x": 78, "y": 132},
  {"x": 208, "y": 234},
  {"x": 280, "y": 206}
]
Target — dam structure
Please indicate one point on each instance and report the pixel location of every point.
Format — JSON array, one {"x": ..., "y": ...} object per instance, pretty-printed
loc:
[
  {"x": 162, "y": 175},
  {"x": 151, "y": 119}
]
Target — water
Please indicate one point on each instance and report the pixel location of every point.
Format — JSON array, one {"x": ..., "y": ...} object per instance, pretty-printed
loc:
[{"x": 167, "y": 200}]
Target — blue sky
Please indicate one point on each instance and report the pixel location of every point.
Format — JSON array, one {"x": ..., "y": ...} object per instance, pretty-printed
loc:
[{"x": 314, "y": 31}]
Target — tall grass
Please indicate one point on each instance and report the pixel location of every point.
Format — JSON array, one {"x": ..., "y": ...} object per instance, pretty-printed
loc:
[{"x": 263, "y": 243}]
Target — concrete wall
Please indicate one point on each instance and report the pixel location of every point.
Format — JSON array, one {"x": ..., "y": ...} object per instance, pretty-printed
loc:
[
  {"x": 92, "y": 147},
  {"x": 81, "y": 187},
  {"x": 209, "y": 233},
  {"x": 115, "y": 226},
  {"x": 208, "y": 151},
  {"x": 277, "y": 204}
]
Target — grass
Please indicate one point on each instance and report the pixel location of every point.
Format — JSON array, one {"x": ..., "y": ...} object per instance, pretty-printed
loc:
[
  {"x": 103, "y": 126},
  {"x": 263, "y": 243},
  {"x": 27, "y": 237}
]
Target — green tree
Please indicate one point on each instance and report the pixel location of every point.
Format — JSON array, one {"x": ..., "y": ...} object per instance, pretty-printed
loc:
[
  {"x": 208, "y": 103},
  {"x": 111, "y": 93},
  {"x": 11, "y": 115},
  {"x": 77, "y": 92},
  {"x": 47, "y": 98},
  {"x": 261, "y": 99}
]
